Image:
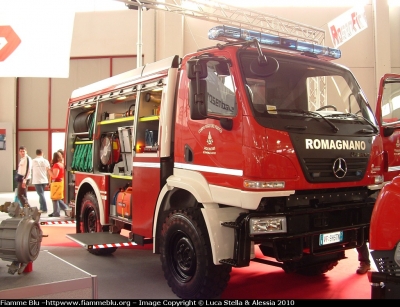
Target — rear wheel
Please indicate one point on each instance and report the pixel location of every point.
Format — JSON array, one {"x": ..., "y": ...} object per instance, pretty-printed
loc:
[
  {"x": 90, "y": 221},
  {"x": 187, "y": 259}
]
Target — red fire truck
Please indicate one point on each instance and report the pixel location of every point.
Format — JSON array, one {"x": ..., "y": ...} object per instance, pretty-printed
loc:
[
  {"x": 384, "y": 239},
  {"x": 385, "y": 243},
  {"x": 259, "y": 149}
]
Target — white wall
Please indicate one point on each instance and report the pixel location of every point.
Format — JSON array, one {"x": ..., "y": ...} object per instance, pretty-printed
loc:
[
  {"x": 112, "y": 33},
  {"x": 394, "y": 19}
]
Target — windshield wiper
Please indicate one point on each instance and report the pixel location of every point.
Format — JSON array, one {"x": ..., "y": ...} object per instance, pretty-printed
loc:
[
  {"x": 355, "y": 116},
  {"x": 314, "y": 114}
]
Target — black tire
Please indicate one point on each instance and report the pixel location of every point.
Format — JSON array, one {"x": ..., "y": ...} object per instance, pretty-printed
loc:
[
  {"x": 187, "y": 259},
  {"x": 90, "y": 221}
]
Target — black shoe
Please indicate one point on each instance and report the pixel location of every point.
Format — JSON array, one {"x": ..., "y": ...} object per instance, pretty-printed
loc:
[
  {"x": 363, "y": 268},
  {"x": 52, "y": 215}
]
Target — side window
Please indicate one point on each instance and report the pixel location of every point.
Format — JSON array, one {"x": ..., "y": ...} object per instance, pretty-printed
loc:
[
  {"x": 147, "y": 119},
  {"x": 391, "y": 103},
  {"x": 220, "y": 91}
]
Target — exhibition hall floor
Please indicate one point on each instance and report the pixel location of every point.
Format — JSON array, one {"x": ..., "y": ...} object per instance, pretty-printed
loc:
[{"x": 135, "y": 272}]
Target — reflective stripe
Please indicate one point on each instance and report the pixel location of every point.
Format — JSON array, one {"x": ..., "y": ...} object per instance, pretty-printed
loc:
[
  {"x": 146, "y": 164},
  {"x": 394, "y": 168},
  {"x": 98, "y": 246},
  {"x": 210, "y": 169},
  {"x": 57, "y": 222}
]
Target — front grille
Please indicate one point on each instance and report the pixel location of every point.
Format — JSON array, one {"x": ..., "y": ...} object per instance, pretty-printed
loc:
[{"x": 321, "y": 169}]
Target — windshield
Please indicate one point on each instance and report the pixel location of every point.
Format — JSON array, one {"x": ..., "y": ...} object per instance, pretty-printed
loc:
[{"x": 304, "y": 88}]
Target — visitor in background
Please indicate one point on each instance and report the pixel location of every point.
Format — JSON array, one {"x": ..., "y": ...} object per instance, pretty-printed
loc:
[
  {"x": 57, "y": 175},
  {"x": 363, "y": 250},
  {"x": 40, "y": 169},
  {"x": 363, "y": 257},
  {"x": 23, "y": 176},
  {"x": 61, "y": 151}
]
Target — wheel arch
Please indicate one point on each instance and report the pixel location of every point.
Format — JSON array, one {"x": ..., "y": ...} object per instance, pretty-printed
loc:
[
  {"x": 88, "y": 185},
  {"x": 183, "y": 189},
  {"x": 170, "y": 198},
  {"x": 187, "y": 189},
  {"x": 193, "y": 182}
]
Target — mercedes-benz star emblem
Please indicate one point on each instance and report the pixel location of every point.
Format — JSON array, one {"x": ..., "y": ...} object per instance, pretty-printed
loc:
[{"x": 339, "y": 168}]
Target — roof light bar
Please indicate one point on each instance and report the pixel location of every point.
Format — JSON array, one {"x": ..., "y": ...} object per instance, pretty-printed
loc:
[{"x": 234, "y": 34}]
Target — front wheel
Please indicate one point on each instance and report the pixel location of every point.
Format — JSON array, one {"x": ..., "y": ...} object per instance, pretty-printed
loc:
[
  {"x": 186, "y": 257},
  {"x": 90, "y": 221}
]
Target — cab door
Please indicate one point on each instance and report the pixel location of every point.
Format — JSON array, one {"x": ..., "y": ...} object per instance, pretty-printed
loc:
[
  {"x": 388, "y": 116},
  {"x": 213, "y": 134}
]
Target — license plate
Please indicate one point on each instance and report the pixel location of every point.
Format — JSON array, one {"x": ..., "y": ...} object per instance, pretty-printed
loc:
[{"x": 329, "y": 238}]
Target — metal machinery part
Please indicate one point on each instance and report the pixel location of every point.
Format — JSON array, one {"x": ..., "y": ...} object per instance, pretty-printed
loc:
[{"x": 20, "y": 236}]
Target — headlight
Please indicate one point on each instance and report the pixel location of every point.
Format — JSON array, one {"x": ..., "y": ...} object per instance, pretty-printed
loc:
[
  {"x": 378, "y": 179},
  {"x": 267, "y": 225},
  {"x": 264, "y": 184}
]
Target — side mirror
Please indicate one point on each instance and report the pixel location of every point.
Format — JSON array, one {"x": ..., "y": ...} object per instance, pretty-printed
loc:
[
  {"x": 196, "y": 69},
  {"x": 222, "y": 69},
  {"x": 197, "y": 99},
  {"x": 388, "y": 131}
]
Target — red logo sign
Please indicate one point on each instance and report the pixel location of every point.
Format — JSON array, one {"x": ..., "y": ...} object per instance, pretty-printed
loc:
[{"x": 9, "y": 41}]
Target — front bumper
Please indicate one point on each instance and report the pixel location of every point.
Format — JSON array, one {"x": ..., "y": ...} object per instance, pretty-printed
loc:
[{"x": 304, "y": 228}]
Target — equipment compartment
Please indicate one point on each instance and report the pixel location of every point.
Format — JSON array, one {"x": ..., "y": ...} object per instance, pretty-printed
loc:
[{"x": 125, "y": 138}]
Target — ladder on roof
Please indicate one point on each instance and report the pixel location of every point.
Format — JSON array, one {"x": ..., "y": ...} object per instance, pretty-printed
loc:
[{"x": 222, "y": 13}]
